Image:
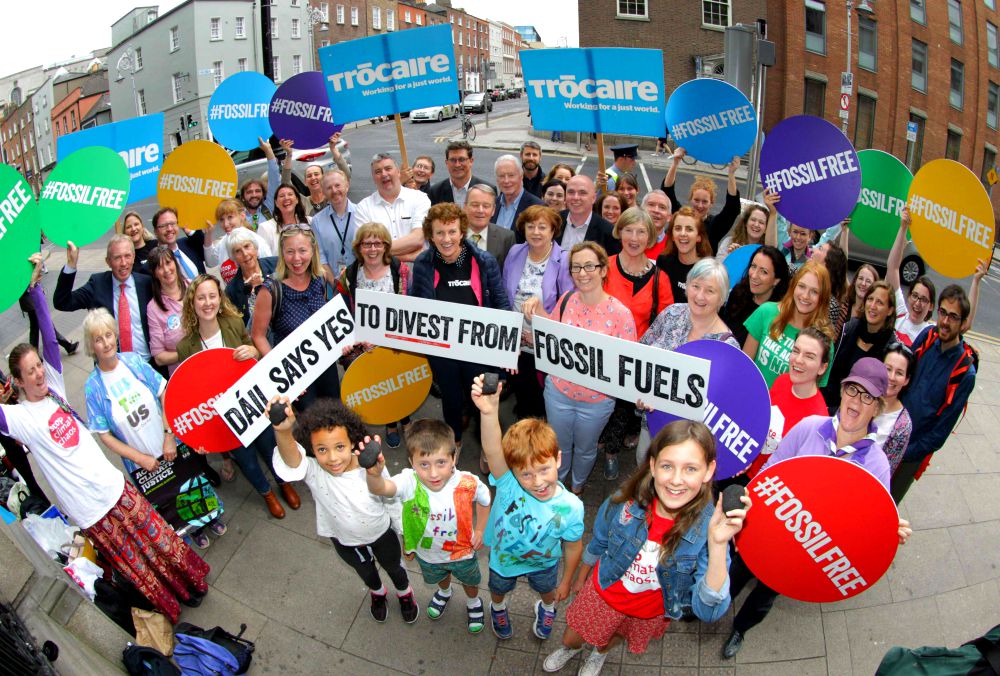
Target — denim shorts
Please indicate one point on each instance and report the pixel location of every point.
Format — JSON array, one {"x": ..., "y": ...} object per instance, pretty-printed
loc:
[
  {"x": 542, "y": 581},
  {"x": 466, "y": 571}
]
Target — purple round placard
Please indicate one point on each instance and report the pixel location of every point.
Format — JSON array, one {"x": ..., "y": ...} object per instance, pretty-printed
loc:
[
  {"x": 300, "y": 111},
  {"x": 739, "y": 406},
  {"x": 812, "y": 165}
]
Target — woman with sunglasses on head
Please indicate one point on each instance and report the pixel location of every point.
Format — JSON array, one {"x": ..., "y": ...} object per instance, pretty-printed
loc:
[
  {"x": 143, "y": 240},
  {"x": 894, "y": 422}
]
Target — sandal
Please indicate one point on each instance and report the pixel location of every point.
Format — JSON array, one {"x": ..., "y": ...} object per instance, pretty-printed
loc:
[
  {"x": 437, "y": 605},
  {"x": 228, "y": 472},
  {"x": 200, "y": 541}
]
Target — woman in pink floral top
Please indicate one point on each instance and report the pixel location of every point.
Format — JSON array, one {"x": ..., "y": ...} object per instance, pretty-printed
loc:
[{"x": 576, "y": 413}]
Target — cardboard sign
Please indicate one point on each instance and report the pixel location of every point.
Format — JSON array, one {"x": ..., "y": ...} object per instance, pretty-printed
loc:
[
  {"x": 711, "y": 119},
  {"x": 738, "y": 261},
  {"x": 885, "y": 183},
  {"x": 288, "y": 369},
  {"x": 737, "y": 416},
  {"x": 20, "y": 234},
  {"x": 238, "y": 110},
  {"x": 138, "y": 141},
  {"x": 194, "y": 179},
  {"x": 610, "y": 90},
  {"x": 84, "y": 196},
  {"x": 814, "y": 168},
  {"x": 953, "y": 221},
  {"x": 668, "y": 381},
  {"x": 811, "y": 543},
  {"x": 300, "y": 111},
  {"x": 190, "y": 395},
  {"x": 390, "y": 73},
  {"x": 180, "y": 492},
  {"x": 464, "y": 332},
  {"x": 383, "y": 386}
]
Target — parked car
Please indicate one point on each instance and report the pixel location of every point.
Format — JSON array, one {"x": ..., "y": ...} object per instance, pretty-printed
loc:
[
  {"x": 513, "y": 93},
  {"x": 434, "y": 113},
  {"x": 498, "y": 94},
  {"x": 912, "y": 266},
  {"x": 253, "y": 164},
  {"x": 477, "y": 102}
]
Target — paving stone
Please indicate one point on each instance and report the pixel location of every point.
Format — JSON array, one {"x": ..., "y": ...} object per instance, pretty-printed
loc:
[
  {"x": 679, "y": 649},
  {"x": 927, "y": 564},
  {"x": 876, "y": 595},
  {"x": 838, "y": 644},
  {"x": 814, "y": 666},
  {"x": 792, "y": 631},
  {"x": 239, "y": 523},
  {"x": 679, "y": 671},
  {"x": 281, "y": 650},
  {"x": 977, "y": 549},
  {"x": 935, "y": 502},
  {"x": 983, "y": 452},
  {"x": 981, "y": 495},
  {"x": 969, "y": 612},
  {"x": 514, "y": 663},
  {"x": 220, "y": 609},
  {"x": 873, "y": 631},
  {"x": 952, "y": 458}
]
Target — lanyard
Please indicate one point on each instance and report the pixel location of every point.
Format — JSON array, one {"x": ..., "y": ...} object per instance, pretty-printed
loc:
[{"x": 341, "y": 235}]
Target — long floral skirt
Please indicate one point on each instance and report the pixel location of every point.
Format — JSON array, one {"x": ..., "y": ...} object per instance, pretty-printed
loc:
[{"x": 145, "y": 549}]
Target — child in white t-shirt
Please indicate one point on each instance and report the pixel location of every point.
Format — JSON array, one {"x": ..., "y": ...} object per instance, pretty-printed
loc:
[
  {"x": 445, "y": 513},
  {"x": 320, "y": 451}
]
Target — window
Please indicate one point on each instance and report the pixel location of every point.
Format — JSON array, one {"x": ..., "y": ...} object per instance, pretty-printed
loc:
[
  {"x": 632, "y": 8},
  {"x": 991, "y": 44},
  {"x": 814, "y": 97},
  {"x": 390, "y": 20},
  {"x": 340, "y": 15},
  {"x": 864, "y": 127},
  {"x": 452, "y": 19},
  {"x": 918, "y": 11},
  {"x": 377, "y": 18},
  {"x": 420, "y": 19},
  {"x": 953, "y": 145},
  {"x": 215, "y": 28},
  {"x": 218, "y": 72},
  {"x": 296, "y": 31},
  {"x": 993, "y": 106},
  {"x": 175, "y": 42},
  {"x": 715, "y": 13},
  {"x": 296, "y": 3},
  {"x": 176, "y": 87},
  {"x": 241, "y": 64},
  {"x": 406, "y": 16},
  {"x": 276, "y": 67},
  {"x": 915, "y": 149},
  {"x": 989, "y": 163},
  {"x": 956, "y": 95},
  {"x": 354, "y": 16},
  {"x": 241, "y": 28},
  {"x": 141, "y": 95},
  {"x": 461, "y": 37},
  {"x": 816, "y": 26},
  {"x": 918, "y": 78},
  {"x": 955, "y": 21},
  {"x": 460, "y": 21},
  {"x": 324, "y": 12},
  {"x": 72, "y": 114},
  {"x": 138, "y": 62},
  {"x": 274, "y": 28},
  {"x": 296, "y": 64},
  {"x": 990, "y": 3},
  {"x": 867, "y": 43}
]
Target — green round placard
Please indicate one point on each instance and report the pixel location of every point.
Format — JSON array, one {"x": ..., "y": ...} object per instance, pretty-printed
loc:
[
  {"x": 84, "y": 195},
  {"x": 885, "y": 182},
  {"x": 20, "y": 234}
]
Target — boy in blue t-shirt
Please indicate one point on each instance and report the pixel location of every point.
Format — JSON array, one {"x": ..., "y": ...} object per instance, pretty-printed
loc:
[{"x": 534, "y": 521}]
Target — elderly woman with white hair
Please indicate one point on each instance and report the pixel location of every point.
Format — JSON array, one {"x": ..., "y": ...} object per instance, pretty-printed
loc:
[
  {"x": 253, "y": 270},
  {"x": 512, "y": 198}
]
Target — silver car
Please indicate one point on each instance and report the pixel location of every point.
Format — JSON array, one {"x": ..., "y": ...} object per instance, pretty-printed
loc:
[
  {"x": 911, "y": 267},
  {"x": 253, "y": 163}
]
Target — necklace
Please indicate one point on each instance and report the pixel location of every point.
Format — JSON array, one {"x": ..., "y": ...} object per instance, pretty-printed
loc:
[{"x": 645, "y": 267}]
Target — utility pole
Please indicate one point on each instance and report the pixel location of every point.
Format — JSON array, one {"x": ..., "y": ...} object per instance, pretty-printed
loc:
[
  {"x": 847, "y": 82},
  {"x": 265, "y": 33}
]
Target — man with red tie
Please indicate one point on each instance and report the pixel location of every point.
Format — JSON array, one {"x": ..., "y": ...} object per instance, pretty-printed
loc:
[{"x": 121, "y": 291}]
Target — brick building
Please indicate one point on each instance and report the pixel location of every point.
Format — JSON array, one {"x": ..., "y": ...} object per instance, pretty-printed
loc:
[
  {"x": 74, "y": 98},
  {"x": 17, "y": 140}
]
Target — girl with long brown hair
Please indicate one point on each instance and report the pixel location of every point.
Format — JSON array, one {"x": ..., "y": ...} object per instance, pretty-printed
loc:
[{"x": 686, "y": 244}]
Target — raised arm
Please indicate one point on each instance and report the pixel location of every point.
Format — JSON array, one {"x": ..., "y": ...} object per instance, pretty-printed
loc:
[
  {"x": 771, "y": 200},
  {"x": 489, "y": 409},
  {"x": 287, "y": 448},
  {"x": 50, "y": 346},
  {"x": 338, "y": 159},
  {"x": 671, "y": 177},
  {"x": 896, "y": 252},
  {"x": 981, "y": 270}
]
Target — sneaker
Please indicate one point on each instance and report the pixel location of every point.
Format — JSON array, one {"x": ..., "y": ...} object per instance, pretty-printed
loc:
[
  {"x": 559, "y": 658},
  {"x": 476, "y": 618},
  {"x": 543, "y": 620},
  {"x": 392, "y": 438},
  {"x": 379, "y": 608},
  {"x": 501, "y": 623},
  {"x": 611, "y": 467},
  {"x": 200, "y": 540},
  {"x": 217, "y": 527},
  {"x": 438, "y": 603},
  {"x": 408, "y": 607},
  {"x": 732, "y": 645},
  {"x": 593, "y": 664}
]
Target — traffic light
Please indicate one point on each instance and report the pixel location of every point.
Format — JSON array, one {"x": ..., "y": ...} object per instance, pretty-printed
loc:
[
  {"x": 183, "y": 123},
  {"x": 191, "y": 121}
]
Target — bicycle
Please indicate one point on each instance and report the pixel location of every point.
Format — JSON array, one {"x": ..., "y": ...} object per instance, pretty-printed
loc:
[{"x": 468, "y": 127}]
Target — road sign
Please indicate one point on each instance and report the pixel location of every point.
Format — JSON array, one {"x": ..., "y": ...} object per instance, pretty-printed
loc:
[
  {"x": 991, "y": 176},
  {"x": 911, "y": 132},
  {"x": 843, "y": 114},
  {"x": 845, "y": 101}
]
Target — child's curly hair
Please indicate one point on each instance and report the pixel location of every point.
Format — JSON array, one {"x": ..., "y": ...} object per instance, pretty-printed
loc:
[{"x": 326, "y": 414}]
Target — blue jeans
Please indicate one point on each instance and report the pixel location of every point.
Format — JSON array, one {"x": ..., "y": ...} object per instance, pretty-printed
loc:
[
  {"x": 247, "y": 460},
  {"x": 541, "y": 581},
  {"x": 556, "y": 136},
  {"x": 578, "y": 426}
]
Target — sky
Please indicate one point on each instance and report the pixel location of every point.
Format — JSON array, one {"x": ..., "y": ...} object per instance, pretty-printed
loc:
[{"x": 56, "y": 30}]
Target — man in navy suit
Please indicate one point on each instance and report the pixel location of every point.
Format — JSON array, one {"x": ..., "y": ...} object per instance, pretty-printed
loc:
[
  {"x": 121, "y": 291},
  {"x": 455, "y": 188},
  {"x": 581, "y": 224},
  {"x": 513, "y": 198},
  {"x": 190, "y": 251}
]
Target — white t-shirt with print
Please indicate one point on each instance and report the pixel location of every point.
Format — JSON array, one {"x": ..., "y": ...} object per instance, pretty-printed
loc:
[
  {"x": 904, "y": 326},
  {"x": 135, "y": 411}
]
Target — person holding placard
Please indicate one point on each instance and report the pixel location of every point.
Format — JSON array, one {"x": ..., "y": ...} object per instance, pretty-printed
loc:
[
  {"x": 702, "y": 197},
  {"x": 581, "y": 223},
  {"x": 27, "y": 307},
  {"x": 453, "y": 270},
  {"x": 190, "y": 251},
  {"x": 512, "y": 198},
  {"x": 657, "y": 205},
  {"x": 849, "y": 435},
  {"x": 117, "y": 519},
  {"x": 660, "y": 551},
  {"x": 335, "y": 226},
  {"x": 914, "y": 311},
  {"x": 288, "y": 212},
  {"x": 230, "y": 216},
  {"x": 766, "y": 278},
  {"x": 686, "y": 244},
  {"x": 774, "y": 326},
  {"x": 579, "y": 414},
  {"x": 554, "y": 195},
  {"x": 750, "y": 228},
  {"x": 537, "y": 268},
  {"x": 142, "y": 239},
  {"x": 400, "y": 209},
  {"x": 610, "y": 206},
  {"x": 894, "y": 422},
  {"x": 313, "y": 176}
]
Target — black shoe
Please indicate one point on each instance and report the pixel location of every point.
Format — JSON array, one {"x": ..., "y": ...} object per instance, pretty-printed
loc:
[
  {"x": 379, "y": 608},
  {"x": 733, "y": 645},
  {"x": 71, "y": 348},
  {"x": 194, "y": 601},
  {"x": 408, "y": 608}
]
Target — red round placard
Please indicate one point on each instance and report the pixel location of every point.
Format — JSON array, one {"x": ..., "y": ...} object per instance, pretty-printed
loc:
[
  {"x": 190, "y": 392},
  {"x": 821, "y": 529}
]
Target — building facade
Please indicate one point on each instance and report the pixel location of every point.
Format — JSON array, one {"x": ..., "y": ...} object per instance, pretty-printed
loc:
[
  {"x": 18, "y": 142},
  {"x": 75, "y": 98}
]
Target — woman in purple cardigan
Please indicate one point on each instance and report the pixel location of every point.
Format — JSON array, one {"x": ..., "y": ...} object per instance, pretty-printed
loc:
[{"x": 538, "y": 267}]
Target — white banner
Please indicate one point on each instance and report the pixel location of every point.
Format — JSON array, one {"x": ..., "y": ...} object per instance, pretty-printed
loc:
[
  {"x": 439, "y": 329},
  {"x": 288, "y": 369},
  {"x": 668, "y": 381}
]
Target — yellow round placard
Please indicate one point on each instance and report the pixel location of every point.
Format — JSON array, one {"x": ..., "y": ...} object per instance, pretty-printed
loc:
[
  {"x": 953, "y": 223},
  {"x": 383, "y": 386},
  {"x": 194, "y": 179}
]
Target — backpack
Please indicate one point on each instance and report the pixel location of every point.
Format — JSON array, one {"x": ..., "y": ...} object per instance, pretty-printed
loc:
[
  {"x": 140, "y": 660},
  {"x": 979, "y": 657},
  {"x": 239, "y": 650},
  {"x": 968, "y": 358}
]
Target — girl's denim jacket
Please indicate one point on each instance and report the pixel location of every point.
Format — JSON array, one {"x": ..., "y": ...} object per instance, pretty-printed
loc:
[{"x": 620, "y": 530}]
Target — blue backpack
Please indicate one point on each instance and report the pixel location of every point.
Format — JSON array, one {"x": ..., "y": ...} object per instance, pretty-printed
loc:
[{"x": 200, "y": 657}]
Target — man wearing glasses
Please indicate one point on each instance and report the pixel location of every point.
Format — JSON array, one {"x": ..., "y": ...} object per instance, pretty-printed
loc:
[
  {"x": 945, "y": 377},
  {"x": 455, "y": 188}
]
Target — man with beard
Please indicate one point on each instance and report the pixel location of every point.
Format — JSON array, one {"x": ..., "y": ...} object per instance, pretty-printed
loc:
[
  {"x": 255, "y": 208},
  {"x": 534, "y": 175}
]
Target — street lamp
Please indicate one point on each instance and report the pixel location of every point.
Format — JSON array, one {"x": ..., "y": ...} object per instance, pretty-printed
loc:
[
  {"x": 126, "y": 63},
  {"x": 847, "y": 82}
]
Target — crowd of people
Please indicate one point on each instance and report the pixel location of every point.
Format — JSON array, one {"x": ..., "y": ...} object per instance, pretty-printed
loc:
[{"x": 859, "y": 369}]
